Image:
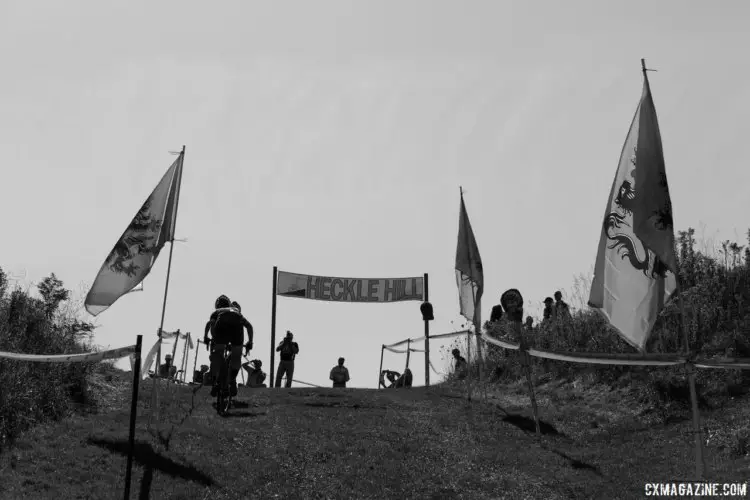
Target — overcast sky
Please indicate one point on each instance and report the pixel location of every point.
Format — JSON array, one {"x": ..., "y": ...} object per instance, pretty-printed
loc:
[{"x": 331, "y": 138}]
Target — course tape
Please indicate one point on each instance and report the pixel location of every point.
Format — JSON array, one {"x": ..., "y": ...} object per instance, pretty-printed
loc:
[
  {"x": 432, "y": 337},
  {"x": 500, "y": 343},
  {"x": 402, "y": 351},
  {"x": 71, "y": 358}
]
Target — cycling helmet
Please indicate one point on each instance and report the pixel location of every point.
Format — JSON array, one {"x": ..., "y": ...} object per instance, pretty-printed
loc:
[
  {"x": 236, "y": 305},
  {"x": 222, "y": 301}
]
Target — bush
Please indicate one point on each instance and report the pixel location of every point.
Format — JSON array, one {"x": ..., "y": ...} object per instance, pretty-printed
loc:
[{"x": 30, "y": 392}]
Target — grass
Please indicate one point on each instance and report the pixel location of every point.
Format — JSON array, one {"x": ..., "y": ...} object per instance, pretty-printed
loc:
[{"x": 361, "y": 443}]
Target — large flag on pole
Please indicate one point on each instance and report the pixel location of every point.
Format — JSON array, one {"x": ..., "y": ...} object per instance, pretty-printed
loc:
[
  {"x": 135, "y": 252},
  {"x": 636, "y": 264},
  {"x": 469, "y": 272}
]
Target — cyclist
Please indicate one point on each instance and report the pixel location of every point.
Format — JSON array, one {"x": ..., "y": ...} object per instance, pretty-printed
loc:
[{"x": 226, "y": 326}]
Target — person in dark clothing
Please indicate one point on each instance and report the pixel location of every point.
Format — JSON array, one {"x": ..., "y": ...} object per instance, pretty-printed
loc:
[
  {"x": 392, "y": 378},
  {"x": 289, "y": 350},
  {"x": 255, "y": 376},
  {"x": 339, "y": 374},
  {"x": 461, "y": 365},
  {"x": 167, "y": 370},
  {"x": 549, "y": 309},
  {"x": 404, "y": 380},
  {"x": 226, "y": 326},
  {"x": 496, "y": 314},
  {"x": 562, "y": 311}
]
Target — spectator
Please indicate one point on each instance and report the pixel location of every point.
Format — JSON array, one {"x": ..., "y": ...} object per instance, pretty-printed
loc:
[
  {"x": 288, "y": 349},
  {"x": 255, "y": 376},
  {"x": 496, "y": 314},
  {"x": 404, "y": 380},
  {"x": 529, "y": 323},
  {"x": 461, "y": 365},
  {"x": 562, "y": 311},
  {"x": 167, "y": 370},
  {"x": 339, "y": 374},
  {"x": 549, "y": 309},
  {"x": 392, "y": 378}
]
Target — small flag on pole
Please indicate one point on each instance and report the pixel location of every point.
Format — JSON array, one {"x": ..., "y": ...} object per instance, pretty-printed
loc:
[
  {"x": 135, "y": 252},
  {"x": 469, "y": 272},
  {"x": 636, "y": 264}
]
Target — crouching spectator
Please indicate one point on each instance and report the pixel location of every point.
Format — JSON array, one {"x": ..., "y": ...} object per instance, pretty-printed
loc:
[
  {"x": 462, "y": 367},
  {"x": 255, "y": 376}
]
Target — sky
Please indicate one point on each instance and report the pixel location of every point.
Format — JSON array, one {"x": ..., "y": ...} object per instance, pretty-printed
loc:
[{"x": 331, "y": 138}]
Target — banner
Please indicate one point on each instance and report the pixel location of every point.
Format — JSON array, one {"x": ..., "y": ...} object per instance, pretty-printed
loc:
[{"x": 332, "y": 289}]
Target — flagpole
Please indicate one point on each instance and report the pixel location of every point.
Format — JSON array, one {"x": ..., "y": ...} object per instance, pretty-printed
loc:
[
  {"x": 169, "y": 264},
  {"x": 700, "y": 465}
]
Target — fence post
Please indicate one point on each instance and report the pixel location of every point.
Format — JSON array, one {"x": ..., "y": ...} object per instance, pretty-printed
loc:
[
  {"x": 526, "y": 360},
  {"x": 133, "y": 411}
]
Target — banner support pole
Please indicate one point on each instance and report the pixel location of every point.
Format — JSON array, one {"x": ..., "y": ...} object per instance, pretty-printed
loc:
[
  {"x": 426, "y": 338},
  {"x": 382, "y": 349},
  {"x": 273, "y": 329}
]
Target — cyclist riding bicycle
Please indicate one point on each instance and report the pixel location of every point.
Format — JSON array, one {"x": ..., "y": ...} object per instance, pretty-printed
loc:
[{"x": 226, "y": 327}]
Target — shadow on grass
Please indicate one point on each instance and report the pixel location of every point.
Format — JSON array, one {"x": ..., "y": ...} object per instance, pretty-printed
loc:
[
  {"x": 242, "y": 414},
  {"x": 527, "y": 424},
  {"x": 575, "y": 463},
  {"x": 146, "y": 456}
]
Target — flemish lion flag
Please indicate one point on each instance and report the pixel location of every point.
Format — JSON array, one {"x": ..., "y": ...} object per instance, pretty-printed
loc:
[
  {"x": 135, "y": 252},
  {"x": 469, "y": 272},
  {"x": 635, "y": 266}
]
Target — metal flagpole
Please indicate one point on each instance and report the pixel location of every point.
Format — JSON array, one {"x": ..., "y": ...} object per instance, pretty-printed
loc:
[
  {"x": 169, "y": 264},
  {"x": 166, "y": 284},
  {"x": 700, "y": 465}
]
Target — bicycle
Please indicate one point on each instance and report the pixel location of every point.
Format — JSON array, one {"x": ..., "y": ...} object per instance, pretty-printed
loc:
[{"x": 224, "y": 398}]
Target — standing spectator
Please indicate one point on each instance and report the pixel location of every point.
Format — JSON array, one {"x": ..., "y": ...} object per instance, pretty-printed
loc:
[
  {"x": 339, "y": 374},
  {"x": 562, "y": 311},
  {"x": 288, "y": 349},
  {"x": 167, "y": 370},
  {"x": 529, "y": 323},
  {"x": 549, "y": 309}
]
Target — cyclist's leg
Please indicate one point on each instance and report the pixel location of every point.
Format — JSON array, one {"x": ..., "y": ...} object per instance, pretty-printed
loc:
[
  {"x": 217, "y": 358},
  {"x": 235, "y": 364}
]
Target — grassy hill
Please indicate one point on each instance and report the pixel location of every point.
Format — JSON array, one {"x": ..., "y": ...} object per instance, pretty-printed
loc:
[{"x": 363, "y": 443}]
